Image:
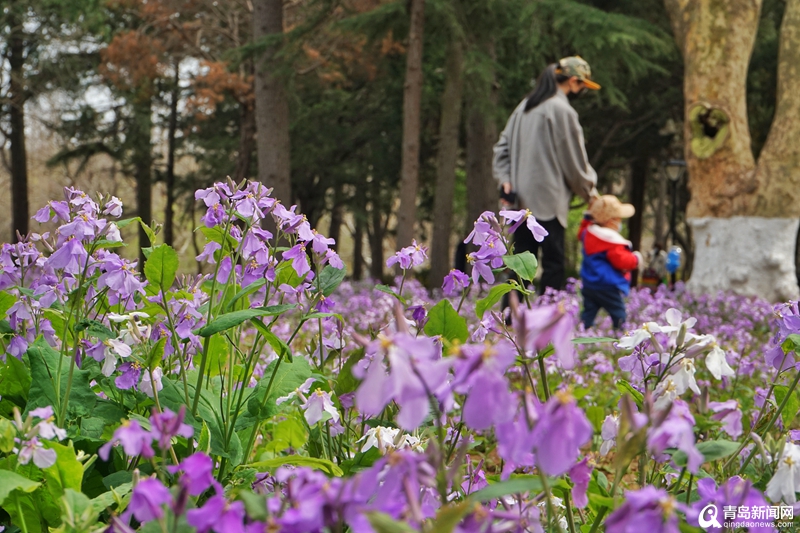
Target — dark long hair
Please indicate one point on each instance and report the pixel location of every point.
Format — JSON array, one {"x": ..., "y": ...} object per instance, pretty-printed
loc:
[{"x": 546, "y": 86}]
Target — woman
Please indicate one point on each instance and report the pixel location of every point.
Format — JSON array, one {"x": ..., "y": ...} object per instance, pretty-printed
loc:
[{"x": 541, "y": 156}]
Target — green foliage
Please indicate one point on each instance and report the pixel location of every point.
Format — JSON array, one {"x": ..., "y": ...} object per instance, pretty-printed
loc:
[
  {"x": 280, "y": 378},
  {"x": 496, "y": 293},
  {"x": 161, "y": 267},
  {"x": 523, "y": 264},
  {"x": 44, "y": 364},
  {"x": 444, "y": 321}
]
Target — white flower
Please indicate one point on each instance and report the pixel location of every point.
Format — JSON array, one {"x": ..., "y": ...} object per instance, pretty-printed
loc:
[
  {"x": 379, "y": 437},
  {"x": 299, "y": 392},
  {"x": 673, "y": 317},
  {"x": 114, "y": 348},
  {"x": 113, "y": 234},
  {"x": 146, "y": 385},
  {"x": 717, "y": 363},
  {"x": 114, "y": 317},
  {"x": 666, "y": 392},
  {"x": 638, "y": 336},
  {"x": 786, "y": 481},
  {"x": 33, "y": 449},
  {"x": 684, "y": 377}
]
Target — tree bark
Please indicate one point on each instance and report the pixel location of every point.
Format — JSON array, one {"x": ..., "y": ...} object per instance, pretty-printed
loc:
[
  {"x": 639, "y": 171},
  {"x": 446, "y": 165},
  {"x": 247, "y": 138},
  {"x": 659, "y": 233},
  {"x": 358, "y": 247},
  {"x": 716, "y": 39},
  {"x": 169, "y": 208},
  {"x": 778, "y": 172},
  {"x": 375, "y": 233},
  {"x": 141, "y": 127},
  {"x": 412, "y": 102},
  {"x": 271, "y": 106},
  {"x": 482, "y": 192},
  {"x": 19, "y": 163}
]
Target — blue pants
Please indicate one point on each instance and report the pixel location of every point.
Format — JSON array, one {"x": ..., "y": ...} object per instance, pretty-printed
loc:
[{"x": 609, "y": 299}]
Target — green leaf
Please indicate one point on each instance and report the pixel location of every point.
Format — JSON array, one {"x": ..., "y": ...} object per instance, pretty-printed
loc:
[
  {"x": 712, "y": 450},
  {"x": 15, "y": 381},
  {"x": 448, "y": 517},
  {"x": 234, "y": 318},
  {"x": 298, "y": 460},
  {"x": 626, "y": 388},
  {"x": 277, "y": 344},
  {"x": 346, "y": 381},
  {"x": 524, "y": 264},
  {"x": 383, "y": 523},
  {"x": 162, "y": 266},
  {"x": 11, "y": 481},
  {"x": 204, "y": 442},
  {"x": 44, "y": 366},
  {"x": 289, "y": 433},
  {"x": 792, "y": 404},
  {"x": 247, "y": 291},
  {"x": 792, "y": 343},
  {"x": 288, "y": 377},
  {"x": 445, "y": 321},
  {"x": 504, "y": 488},
  {"x": 151, "y": 236},
  {"x": 388, "y": 290},
  {"x": 330, "y": 278},
  {"x": 596, "y": 415},
  {"x": 592, "y": 340},
  {"x": 66, "y": 473},
  {"x": 7, "y": 434},
  {"x": 6, "y": 301},
  {"x": 285, "y": 273},
  {"x": 496, "y": 293},
  {"x": 95, "y": 328}
]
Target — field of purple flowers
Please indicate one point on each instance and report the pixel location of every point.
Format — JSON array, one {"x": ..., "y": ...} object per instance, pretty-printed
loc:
[{"x": 273, "y": 396}]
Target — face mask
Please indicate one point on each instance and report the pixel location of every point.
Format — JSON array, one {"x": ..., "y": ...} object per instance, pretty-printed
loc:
[{"x": 574, "y": 96}]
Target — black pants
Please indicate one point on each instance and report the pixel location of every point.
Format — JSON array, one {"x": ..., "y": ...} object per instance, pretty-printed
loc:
[
  {"x": 609, "y": 299},
  {"x": 552, "y": 264}
]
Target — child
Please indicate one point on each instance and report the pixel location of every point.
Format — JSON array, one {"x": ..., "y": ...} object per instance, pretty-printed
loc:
[{"x": 607, "y": 260}]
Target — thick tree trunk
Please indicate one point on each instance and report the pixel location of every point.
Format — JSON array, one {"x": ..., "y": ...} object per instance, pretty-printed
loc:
[
  {"x": 482, "y": 192},
  {"x": 169, "y": 208},
  {"x": 728, "y": 191},
  {"x": 639, "y": 171},
  {"x": 140, "y": 136},
  {"x": 358, "y": 247},
  {"x": 412, "y": 102},
  {"x": 375, "y": 232},
  {"x": 446, "y": 165},
  {"x": 247, "y": 138},
  {"x": 660, "y": 232},
  {"x": 271, "y": 106},
  {"x": 19, "y": 163}
]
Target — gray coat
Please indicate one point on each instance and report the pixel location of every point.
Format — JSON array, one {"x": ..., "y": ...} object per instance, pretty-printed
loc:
[{"x": 541, "y": 153}]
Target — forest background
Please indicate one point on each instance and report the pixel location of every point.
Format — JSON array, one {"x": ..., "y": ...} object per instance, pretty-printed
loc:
[{"x": 150, "y": 100}]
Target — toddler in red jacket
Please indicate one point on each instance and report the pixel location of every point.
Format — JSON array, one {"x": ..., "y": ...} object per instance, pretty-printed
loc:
[{"x": 607, "y": 260}]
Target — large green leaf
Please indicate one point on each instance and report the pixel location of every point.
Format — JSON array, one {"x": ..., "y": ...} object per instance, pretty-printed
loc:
[
  {"x": 11, "y": 481},
  {"x": 383, "y": 523},
  {"x": 44, "y": 368},
  {"x": 234, "y": 318},
  {"x": 288, "y": 377},
  {"x": 162, "y": 266},
  {"x": 15, "y": 381},
  {"x": 504, "y": 488},
  {"x": 524, "y": 264},
  {"x": 6, "y": 301},
  {"x": 330, "y": 278},
  {"x": 298, "y": 460},
  {"x": 151, "y": 236},
  {"x": 496, "y": 293},
  {"x": 626, "y": 388},
  {"x": 792, "y": 404},
  {"x": 277, "y": 344},
  {"x": 246, "y": 291},
  {"x": 445, "y": 321},
  {"x": 712, "y": 450},
  {"x": 66, "y": 473}
]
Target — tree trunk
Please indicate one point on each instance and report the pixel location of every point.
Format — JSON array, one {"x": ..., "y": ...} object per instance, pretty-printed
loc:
[
  {"x": 376, "y": 234},
  {"x": 247, "y": 139},
  {"x": 358, "y": 247},
  {"x": 19, "y": 163},
  {"x": 271, "y": 106},
  {"x": 639, "y": 171},
  {"x": 482, "y": 192},
  {"x": 169, "y": 208},
  {"x": 141, "y": 127},
  {"x": 660, "y": 232},
  {"x": 337, "y": 212},
  {"x": 446, "y": 165},
  {"x": 734, "y": 205},
  {"x": 412, "y": 102}
]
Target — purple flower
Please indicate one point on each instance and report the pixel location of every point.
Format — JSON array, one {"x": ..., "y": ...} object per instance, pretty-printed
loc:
[
  {"x": 560, "y": 432},
  {"x": 729, "y": 414},
  {"x": 580, "y": 475},
  {"x": 219, "y": 515},
  {"x": 480, "y": 269},
  {"x": 480, "y": 372},
  {"x": 129, "y": 376},
  {"x": 197, "y": 473},
  {"x": 113, "y": 207},
  {"x": 168, "y": 424},
  {"x": 208, "y": 252},
  {"x": 318, "y": 403},
  {"x": 648, "y": 509},
  {"x": 297, "y": 254},
  {"x": 455, "y": 282},
  {"x": 147, "y": 501},
  {"x": 736, "y": 492},
  {"x": 524, "y": 215},
  {"x": 70, "y": 257},
  {"x": 333, "y": 259},
  {"x": 540, "y": 326},
  {"x": 676, "y": 431},
  {"x": 408, "y": 257},
  {"x": 120, "y": 277},
  {"x": 34, "y": 449},
  {"x": 134, "y": 440}
]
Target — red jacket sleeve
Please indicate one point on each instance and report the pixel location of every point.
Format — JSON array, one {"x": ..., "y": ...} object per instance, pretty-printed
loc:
[
  {"x": 585, "y": 223},
  {"x": 621, "y": 258}
]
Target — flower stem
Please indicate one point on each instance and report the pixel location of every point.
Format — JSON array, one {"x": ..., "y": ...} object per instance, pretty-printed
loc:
[
  {"x": 598, "y": 519},
  {"x": 570, "y": 517},
  {"x": 543, "y": 373}
]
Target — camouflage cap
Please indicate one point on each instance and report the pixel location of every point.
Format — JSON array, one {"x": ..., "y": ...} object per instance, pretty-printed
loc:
[{"x": 578, "y": 67}]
